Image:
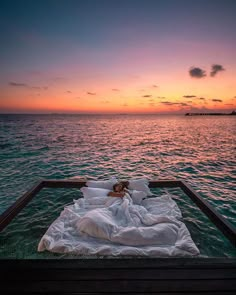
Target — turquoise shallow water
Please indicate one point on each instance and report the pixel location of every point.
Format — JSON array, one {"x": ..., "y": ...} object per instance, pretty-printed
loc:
[{"x": 200, "y": 150}]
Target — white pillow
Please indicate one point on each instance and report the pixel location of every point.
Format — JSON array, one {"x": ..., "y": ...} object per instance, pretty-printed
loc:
[
  {"x": 140, "y": 185},
  {"x": 92, "y": 192},
  {"x": 138, "y": 196},
  {"x": 106, "y": 184}
]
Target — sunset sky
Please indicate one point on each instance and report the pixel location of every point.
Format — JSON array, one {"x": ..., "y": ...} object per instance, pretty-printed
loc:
[{"x": 117, "y": 56}]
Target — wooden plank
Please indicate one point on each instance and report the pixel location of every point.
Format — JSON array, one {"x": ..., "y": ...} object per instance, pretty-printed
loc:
[
  {"x": 121, "y": 263},
  {"x": 123, "y": 286},
  {"x": 7, "y": 216},
  {"x": 96, "y": 292},
  {"x": 224, "y": 226},
  {"x": 67, "y": 183},
  {"x": 75, "y": 183},
  {"x": 121, "y": 276},
  {"x": 142, "y": 293},
  {"x": 118, "y": 274},
  {"x": 164, "y": 183}
]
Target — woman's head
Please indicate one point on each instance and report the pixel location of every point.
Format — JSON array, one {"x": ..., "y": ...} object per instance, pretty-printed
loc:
[{"x": 118, "y": 187}]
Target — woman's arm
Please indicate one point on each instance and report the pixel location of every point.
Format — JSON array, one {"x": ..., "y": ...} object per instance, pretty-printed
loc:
[{"x": 115, "y": 194}]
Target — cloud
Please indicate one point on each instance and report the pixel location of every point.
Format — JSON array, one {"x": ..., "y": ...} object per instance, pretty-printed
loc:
[
  {"x": 15, "y": 84},
  {"x": 91, "y": 93},
  {"x": 228, "y": 104},
  {"x": 154, "y": 86},
  {"x": 105, "y": 101},
  {"x": 216, "y": 100},
  {"x": 124, "y": 105},
  {"x": 115, "y": 89},
  {"x": 77, "y": 97},
  {"x": 169, "y": 103},
  {"x": 68, "y": 91},
  {"x": 197, "y": 72},
  {"x": 183, "y": 104},
  {"x": 147, "y": 95},
  {"x": 189, "y": 96},
  {"x": 151, "y": 104},
  {"x": 202, "y": 98},
  {"x": 38, "y": 87},
  {"x": 215, "y": 69},
  {"x": 161, "y": 97}
]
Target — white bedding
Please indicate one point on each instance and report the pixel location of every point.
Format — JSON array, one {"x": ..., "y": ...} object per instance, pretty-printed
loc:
[{"x": 116, "y": 226}]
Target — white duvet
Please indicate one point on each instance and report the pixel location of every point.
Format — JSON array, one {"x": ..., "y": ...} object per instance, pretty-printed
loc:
[{"x": 116, "y": 226}]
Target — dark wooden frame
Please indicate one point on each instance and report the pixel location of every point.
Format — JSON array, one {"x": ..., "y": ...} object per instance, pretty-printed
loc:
[
  {"x": 120, "y": 276},
  {"x": 226, "y": 228}
]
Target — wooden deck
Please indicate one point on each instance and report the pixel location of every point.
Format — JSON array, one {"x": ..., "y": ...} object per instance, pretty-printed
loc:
[{"x": 120, "y": 276}]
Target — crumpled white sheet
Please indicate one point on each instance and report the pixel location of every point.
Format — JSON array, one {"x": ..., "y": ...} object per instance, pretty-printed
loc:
[{"x": 116, "y": 227}]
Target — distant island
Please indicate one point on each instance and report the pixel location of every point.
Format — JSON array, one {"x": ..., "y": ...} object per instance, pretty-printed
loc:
[{"x": 211, "y": 114}]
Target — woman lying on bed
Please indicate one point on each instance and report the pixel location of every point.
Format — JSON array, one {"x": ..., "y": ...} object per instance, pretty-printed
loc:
[{"x": 119, "y": 189}]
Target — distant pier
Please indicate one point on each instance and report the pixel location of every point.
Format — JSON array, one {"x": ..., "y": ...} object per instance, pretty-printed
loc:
[{"x": 211, "y": 114}]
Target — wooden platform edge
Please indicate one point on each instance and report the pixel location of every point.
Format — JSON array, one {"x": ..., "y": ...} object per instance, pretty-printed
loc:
[{"x": 123, "y": 263}]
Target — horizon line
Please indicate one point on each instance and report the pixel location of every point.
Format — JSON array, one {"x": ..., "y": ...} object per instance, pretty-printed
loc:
[{"x": 112, "y": 114}]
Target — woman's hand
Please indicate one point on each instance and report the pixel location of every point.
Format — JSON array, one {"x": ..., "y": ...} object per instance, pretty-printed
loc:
[{"x": 116, "y": 194}]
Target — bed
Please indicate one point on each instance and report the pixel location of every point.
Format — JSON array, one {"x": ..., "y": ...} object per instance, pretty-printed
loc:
[{"x": 139, "y": 224}]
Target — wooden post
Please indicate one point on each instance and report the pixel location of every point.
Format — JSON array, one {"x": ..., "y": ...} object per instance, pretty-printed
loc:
[{"x": 20, "y": 203}]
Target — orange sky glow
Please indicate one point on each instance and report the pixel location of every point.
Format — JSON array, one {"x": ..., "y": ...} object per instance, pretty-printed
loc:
[{"x": 82, "y": 63}]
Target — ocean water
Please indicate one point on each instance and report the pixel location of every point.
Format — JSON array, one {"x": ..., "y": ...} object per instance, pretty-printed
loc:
[{"x": 200, "y": 150}]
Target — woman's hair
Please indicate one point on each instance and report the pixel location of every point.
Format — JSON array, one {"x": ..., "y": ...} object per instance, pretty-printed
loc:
[
  {"x": 123, "y": 183},
  {"x": 116, "y": 184}
]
